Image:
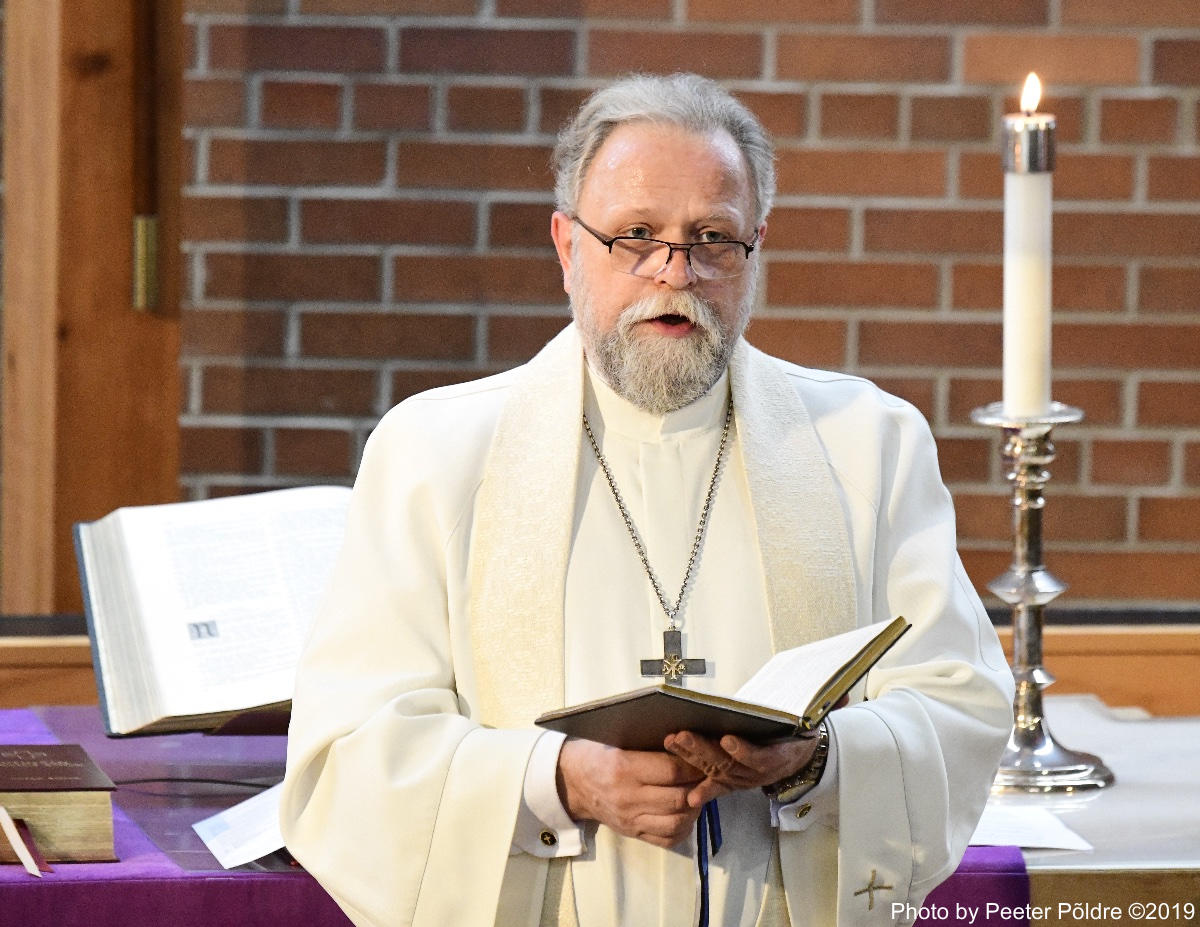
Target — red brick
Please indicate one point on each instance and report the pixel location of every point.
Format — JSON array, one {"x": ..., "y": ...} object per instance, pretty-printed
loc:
[
  {"x": 335, "y": 49},
  {"x": 586, "y": 9},
  {"x": 1174, "y": 178},
  {"x": 861, "y": 172},
  {"x": 1130, "y": 347},
  {"x": 1074, "y": 287},
  {"x": 714, "y": 54},
  {"x": 784, "y": 115},
  {"x": 1006, "y": 57},
  {"x": 523, "y": 225},
  {"x": 1106, "y": 575},
  {"x": 478, "y": 279},
  {"x": 236, "y": 6},
  {"x": 388, "y": 7},
  {"x": 296, "y": 163},
  {"x": 1089, "y": 288},
  {"x": 233, "y": 218},
  {"x": 859, "y": 115},
  {"x": 1101, "y": 400},
  {"x": 797, "y": 229},
  {"x": 779, "y": 11},
  {"x": 296, "y": 105},
  {"x": 965, "y": 460},
  {"x": 851, "y": 283},
  {"x": 1165, "y": 403},
  {"x": 933, "y": 344},
  {"x": 407, "y": 383},
  {"x": 1191, "y": 464},
  {"x": 1127, "y": 234},
  {"x": 1131, "y": 463},
  {"x": 261, "y": 390},
  {"x": 1068, "y": 517},
  {"x": 232, "y": 333},
  {"x": 917, "y": 390},
  {"x": 959, "y": 119},
  {"x": 933, "y": 231},
  {"x": 1169, "y": 519},
  {"x": 1076, "y": 176},
  {"x": 486, "y": 109},
  {"x": 1138, "y": 121},
  {"x": 850, "y": 57},
  {"x": 1177, "y": 61},
  {"x": 387, "y": 335},
  {"x": 214, "y": 102},
  {"x": 475, "y": 167},
  {"x": 1169, "y": 289},
  {"x": 313, "y": 452},
  {"x": 357, "y": 221},
  {"x": 1153, "y": 13},
  {"x": 392, "y": 106},
  {"x": 293, "y": 277},
  {"x": 810, "y": 342},
  {"x": 558, "y": 105},
  {"x": 964, "y": 12},
  {"x": 220, "y": 450},
  {"x": 487, "y": 51},
  {"x": 513, "y": 339}
]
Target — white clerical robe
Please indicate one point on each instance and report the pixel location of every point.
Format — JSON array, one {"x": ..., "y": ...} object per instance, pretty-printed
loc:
[{"x": 487, "y": 577}]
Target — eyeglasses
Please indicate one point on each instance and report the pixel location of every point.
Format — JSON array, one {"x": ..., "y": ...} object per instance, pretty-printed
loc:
[{"x": 647, "y": 257}]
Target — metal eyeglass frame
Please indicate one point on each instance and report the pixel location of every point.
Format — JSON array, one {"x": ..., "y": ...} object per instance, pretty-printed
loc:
[{"x": 608, "y": 242}]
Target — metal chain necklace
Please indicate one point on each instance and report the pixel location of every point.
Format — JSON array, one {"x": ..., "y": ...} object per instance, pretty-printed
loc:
[{"x": 672, "y": 665}]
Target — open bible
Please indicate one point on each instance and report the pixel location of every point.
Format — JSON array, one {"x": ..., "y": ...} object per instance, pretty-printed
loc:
[
  {"x": 197, "y": 610},
  {"x": 792, "y": 692}
]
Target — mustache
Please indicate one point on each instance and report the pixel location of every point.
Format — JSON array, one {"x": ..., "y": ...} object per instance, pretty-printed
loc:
[{"x": 696, "y": 310}]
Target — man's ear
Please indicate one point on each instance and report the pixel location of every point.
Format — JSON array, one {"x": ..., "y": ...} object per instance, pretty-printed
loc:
[
  {"x": 762, "y": 235},
  {"x": 562, "y": 230}
]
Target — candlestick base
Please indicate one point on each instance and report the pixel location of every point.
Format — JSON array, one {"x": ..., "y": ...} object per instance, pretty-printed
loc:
[{"x": 1033, "y": 761}]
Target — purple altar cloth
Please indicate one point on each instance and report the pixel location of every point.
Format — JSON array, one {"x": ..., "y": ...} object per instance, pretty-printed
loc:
[
  {"x": 172, "y": 880},
  {"x": 147, "y": 887}
]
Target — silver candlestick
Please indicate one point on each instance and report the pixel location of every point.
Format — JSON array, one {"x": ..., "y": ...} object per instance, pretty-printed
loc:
[{"x": 1033, "y": 760}]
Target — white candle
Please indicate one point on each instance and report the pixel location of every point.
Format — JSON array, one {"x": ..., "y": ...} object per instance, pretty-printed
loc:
[{"x": 1028, "y": 167}]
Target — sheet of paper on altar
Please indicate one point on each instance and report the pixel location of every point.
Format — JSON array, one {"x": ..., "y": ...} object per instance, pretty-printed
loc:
[
  {"x": 1025, "y": 826},
  {"x": 246, "y": 832}
]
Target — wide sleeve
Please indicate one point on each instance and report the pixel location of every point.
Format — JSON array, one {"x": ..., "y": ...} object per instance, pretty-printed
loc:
[
  {"x": 917, "y": 755},
  {"x": 394, "y": 799}
]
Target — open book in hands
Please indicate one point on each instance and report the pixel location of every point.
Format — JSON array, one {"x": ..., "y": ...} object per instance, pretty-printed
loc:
[{"x": 792, "y": 692}]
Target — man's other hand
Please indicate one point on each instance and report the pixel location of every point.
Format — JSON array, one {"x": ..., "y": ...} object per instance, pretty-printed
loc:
[
  {"x": 636, "y": 793},
  {"x": 731, "y": 763}
]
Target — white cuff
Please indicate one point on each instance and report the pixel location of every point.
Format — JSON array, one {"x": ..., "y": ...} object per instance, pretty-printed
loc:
[
  {"x": 819, "y": 804},
  {"x": 543, "y": 826}
]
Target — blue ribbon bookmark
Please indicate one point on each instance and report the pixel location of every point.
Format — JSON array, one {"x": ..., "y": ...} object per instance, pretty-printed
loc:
[{"x": 708, "y": 831}]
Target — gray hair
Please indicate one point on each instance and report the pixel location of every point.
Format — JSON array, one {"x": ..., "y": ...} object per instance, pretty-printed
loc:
[{"x": 686, "y": 100}]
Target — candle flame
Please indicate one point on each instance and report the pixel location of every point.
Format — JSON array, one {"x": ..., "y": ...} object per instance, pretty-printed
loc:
[{"x": 1032, "y": 94}]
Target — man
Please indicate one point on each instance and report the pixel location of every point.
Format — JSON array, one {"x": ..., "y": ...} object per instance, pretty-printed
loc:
[{"x": 523, "y": 542}]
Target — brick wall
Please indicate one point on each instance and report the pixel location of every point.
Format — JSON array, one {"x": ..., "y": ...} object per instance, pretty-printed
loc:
[{"x": 366, "y": 216}]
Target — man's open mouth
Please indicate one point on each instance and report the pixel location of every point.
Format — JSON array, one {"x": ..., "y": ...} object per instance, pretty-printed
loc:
[{"x": 672, "y": 318}]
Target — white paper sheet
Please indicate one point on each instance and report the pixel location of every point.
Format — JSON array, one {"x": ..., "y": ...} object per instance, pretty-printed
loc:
[
  {"x": 246, "y": 832},
  {"x": 1025, "y": 826}
]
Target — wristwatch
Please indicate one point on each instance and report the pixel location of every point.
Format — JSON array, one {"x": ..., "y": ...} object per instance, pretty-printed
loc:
[{"x": 791, "y": 787}]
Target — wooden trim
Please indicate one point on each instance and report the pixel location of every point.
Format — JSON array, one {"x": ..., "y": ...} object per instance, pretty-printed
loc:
[
  {"x": 91, "y": 401},
  {"x": 1143, "y": 667}
]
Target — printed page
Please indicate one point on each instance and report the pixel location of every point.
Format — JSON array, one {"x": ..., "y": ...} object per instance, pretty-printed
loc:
[
  {"x": 789, "y": 680},
  {"x": 227, "y": 588}
]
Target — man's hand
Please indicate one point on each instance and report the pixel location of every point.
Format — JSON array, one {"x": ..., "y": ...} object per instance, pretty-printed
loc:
[
  {"x": 731, "y": 763},
  {"x": 638, "y": 794}
]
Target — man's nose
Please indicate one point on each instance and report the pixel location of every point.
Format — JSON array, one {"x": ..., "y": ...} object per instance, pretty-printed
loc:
[{"x": 677, "y": 273}]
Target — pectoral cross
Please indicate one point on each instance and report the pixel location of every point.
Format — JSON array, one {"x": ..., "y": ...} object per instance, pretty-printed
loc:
[{"x": 673, "y": 665}]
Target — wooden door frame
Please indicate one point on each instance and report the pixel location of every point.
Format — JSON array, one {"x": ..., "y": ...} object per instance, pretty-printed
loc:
[{"x": 90, "y": 386}]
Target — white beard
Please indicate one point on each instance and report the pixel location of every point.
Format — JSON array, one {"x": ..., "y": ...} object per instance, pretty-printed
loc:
[{"x": 654, "y": 372}]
